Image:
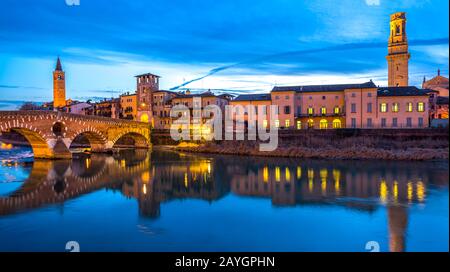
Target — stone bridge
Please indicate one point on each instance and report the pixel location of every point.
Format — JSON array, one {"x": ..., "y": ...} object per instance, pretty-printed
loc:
[{"x": 51, "y": 134}]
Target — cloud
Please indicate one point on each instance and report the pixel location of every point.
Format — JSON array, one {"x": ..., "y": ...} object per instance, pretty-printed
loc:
[{"x": 373, "y": 2}]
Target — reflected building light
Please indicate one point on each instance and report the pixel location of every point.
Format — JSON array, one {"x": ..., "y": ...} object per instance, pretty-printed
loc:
[
  {"x": 299, "y": 172},
  {"x": 410, "y": 191},
  {"x": 185, "y": 180},
  {"x": 266, "y": 174},
  {"x": 277, "y": 174},
  {"x": 145, "y": 177},
  {"x": 383, "y": 191},
  {"x": 323, "y": 178},
  {"x": 287, "y": 174},
  {"x": 88, "y": 163},
  {"x": 420, "y": 190},
  {"x": 395, "y": 191},
  {"x": 337, "y": 181},
  {"x": 123, "y": 163},
  {"x": 144, "y": 189},
  {"x": 310, "y": 180},
  {"x": 6, "y": 146},
  {"x": 209, "y": 168}
]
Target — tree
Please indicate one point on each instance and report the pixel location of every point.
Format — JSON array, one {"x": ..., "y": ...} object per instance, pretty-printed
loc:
[{"x": 30, "y": 106}]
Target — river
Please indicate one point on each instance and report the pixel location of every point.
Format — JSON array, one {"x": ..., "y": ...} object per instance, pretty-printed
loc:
[{"x": 163, "y": 200}]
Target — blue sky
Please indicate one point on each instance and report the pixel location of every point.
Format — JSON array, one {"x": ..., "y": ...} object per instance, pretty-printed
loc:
[{"x": 245, "y": 45}]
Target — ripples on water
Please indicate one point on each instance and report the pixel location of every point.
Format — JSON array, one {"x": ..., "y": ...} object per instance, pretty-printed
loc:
[{"x": 168, "y": 201}]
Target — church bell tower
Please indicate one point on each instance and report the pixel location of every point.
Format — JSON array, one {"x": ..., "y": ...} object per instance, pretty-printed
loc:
[
  {"x": 398, "y": 55},
  {"x": 59, "y": 86}
]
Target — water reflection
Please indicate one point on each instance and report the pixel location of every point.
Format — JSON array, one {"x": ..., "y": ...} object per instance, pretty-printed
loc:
[{"x": 159, "y": 177}]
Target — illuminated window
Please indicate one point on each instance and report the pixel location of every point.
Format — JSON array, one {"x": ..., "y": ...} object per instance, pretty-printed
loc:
[
  {"x": 299, "y": 124},
  {"x": 277, "y": 123},
  {"x": 395, "y": 107},
  {"x": 420, "y": 107},
  {"x": 409, "y": 107},
  {"x": 287, "y": 123},
  {"x": 310, "y": 123},
  {"x": 383, "y": 107},
  {"x": 323, "y": 110},
  {"x": 310, "y": 111},
  {"x": 264, "y": 123},
  {"x": 337, "y": 110},
  {"x": 337, "y": 123},
  {"x": 323, "y": 124}
]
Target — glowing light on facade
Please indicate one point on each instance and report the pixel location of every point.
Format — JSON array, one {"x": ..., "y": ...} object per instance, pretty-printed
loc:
[
  {"x": 287, "y": 174},
  {"x": 383, "y": 191},
  {"x": 88, "y": 163},
  {"x": 277, "y": 174},
  {"x": 410, "y": 191},
  {"x": 299, "y": 172},
  {"x": 395, "y": 191},
  {"x": 6, "y": 146},
  {"x": 266, "y": 174}
]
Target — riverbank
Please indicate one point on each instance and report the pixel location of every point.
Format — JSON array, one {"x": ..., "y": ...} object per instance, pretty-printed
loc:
[{"x": 392, "y": 145}]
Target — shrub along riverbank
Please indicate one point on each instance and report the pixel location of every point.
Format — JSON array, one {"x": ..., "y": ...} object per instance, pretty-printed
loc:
[{"x": 341, "y": 144}]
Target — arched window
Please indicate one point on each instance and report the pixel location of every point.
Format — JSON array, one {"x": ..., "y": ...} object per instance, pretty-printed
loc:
[
  {"x": 337, "y": 123},
  {"x": 310, "y": 123},
  {"x": 323, "y": 124},
  {"x": 144, "y": 118}
]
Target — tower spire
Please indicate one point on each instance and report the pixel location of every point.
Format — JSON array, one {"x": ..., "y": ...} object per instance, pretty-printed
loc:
[{"x": 58, "y": 65}]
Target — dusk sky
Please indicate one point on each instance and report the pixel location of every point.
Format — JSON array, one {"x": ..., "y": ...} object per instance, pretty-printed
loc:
[{"x": 244, "y": 46}]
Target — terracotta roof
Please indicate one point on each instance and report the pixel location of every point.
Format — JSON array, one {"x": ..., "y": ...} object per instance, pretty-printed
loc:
[{"x": 324, "y": 88}]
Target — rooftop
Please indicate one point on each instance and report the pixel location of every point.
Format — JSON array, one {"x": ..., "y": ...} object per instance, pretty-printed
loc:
[
  {"x": 402, "y": 91},
  {"x": 147, "y": 74},
  {"x": 324, "y": 88},
  {"x": 249, "y": 97}
]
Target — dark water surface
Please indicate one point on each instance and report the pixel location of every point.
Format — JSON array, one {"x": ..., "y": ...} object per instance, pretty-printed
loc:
[{"x": 168, "y": 201}]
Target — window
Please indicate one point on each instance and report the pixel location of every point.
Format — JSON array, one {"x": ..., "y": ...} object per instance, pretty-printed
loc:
[
  {"x": 323, "y": 97},
  {"x": 287, "y": 97},
  {"x": 299, "y": 111},
  {"x": 337, "y": 110},
  {"x": 395, "y": 107},
  {"x": 277, "y": 123},
  {"x": 369, "y": 122},
  {"x": 408, "y": 122},
  {"x": 310, "y": 111},
  {"x": 409, "y": 107},
  {"x": 383, "y": 107},
  {"x": 420, "y": 122},
  {"x": 287, "y": 123},
  {"x": 310, "y": 123},
  {"x": 369, "y": 107},
  {"x": 420, "y": 107},
  {"x": 277, "y": 97},
  {"x": 264, "y": 123},
  {"x": 323, "y": 110},
  {"x": 323, "y": 124},
  {"x": 383, "y": 122},
  {"x": 299, "y": 124},
  {"x": 369, "y": 94},
  {"x": 394, "y": 122},
  {"x": 287, "y": 110},
  {"x": 353, "y": 122},
  {"x": 337, "y": 123},
  {"x": 353, "y": 95},
  {"x": 264, "y": 109},
  {"x": 353, "y": 105}
]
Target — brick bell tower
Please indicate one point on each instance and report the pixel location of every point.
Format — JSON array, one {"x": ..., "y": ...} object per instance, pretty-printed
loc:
[
  {"x": 398, "y": 55},
  {"x": 59, "y": 86},
  {"x": 147, "y": 84}
]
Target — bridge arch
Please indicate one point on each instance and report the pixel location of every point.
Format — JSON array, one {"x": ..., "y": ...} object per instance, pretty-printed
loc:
[
  {"x": 139, "y": 139},
  {"x": 35, "y": 137},
  {"x": 96, "y": 139}
]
